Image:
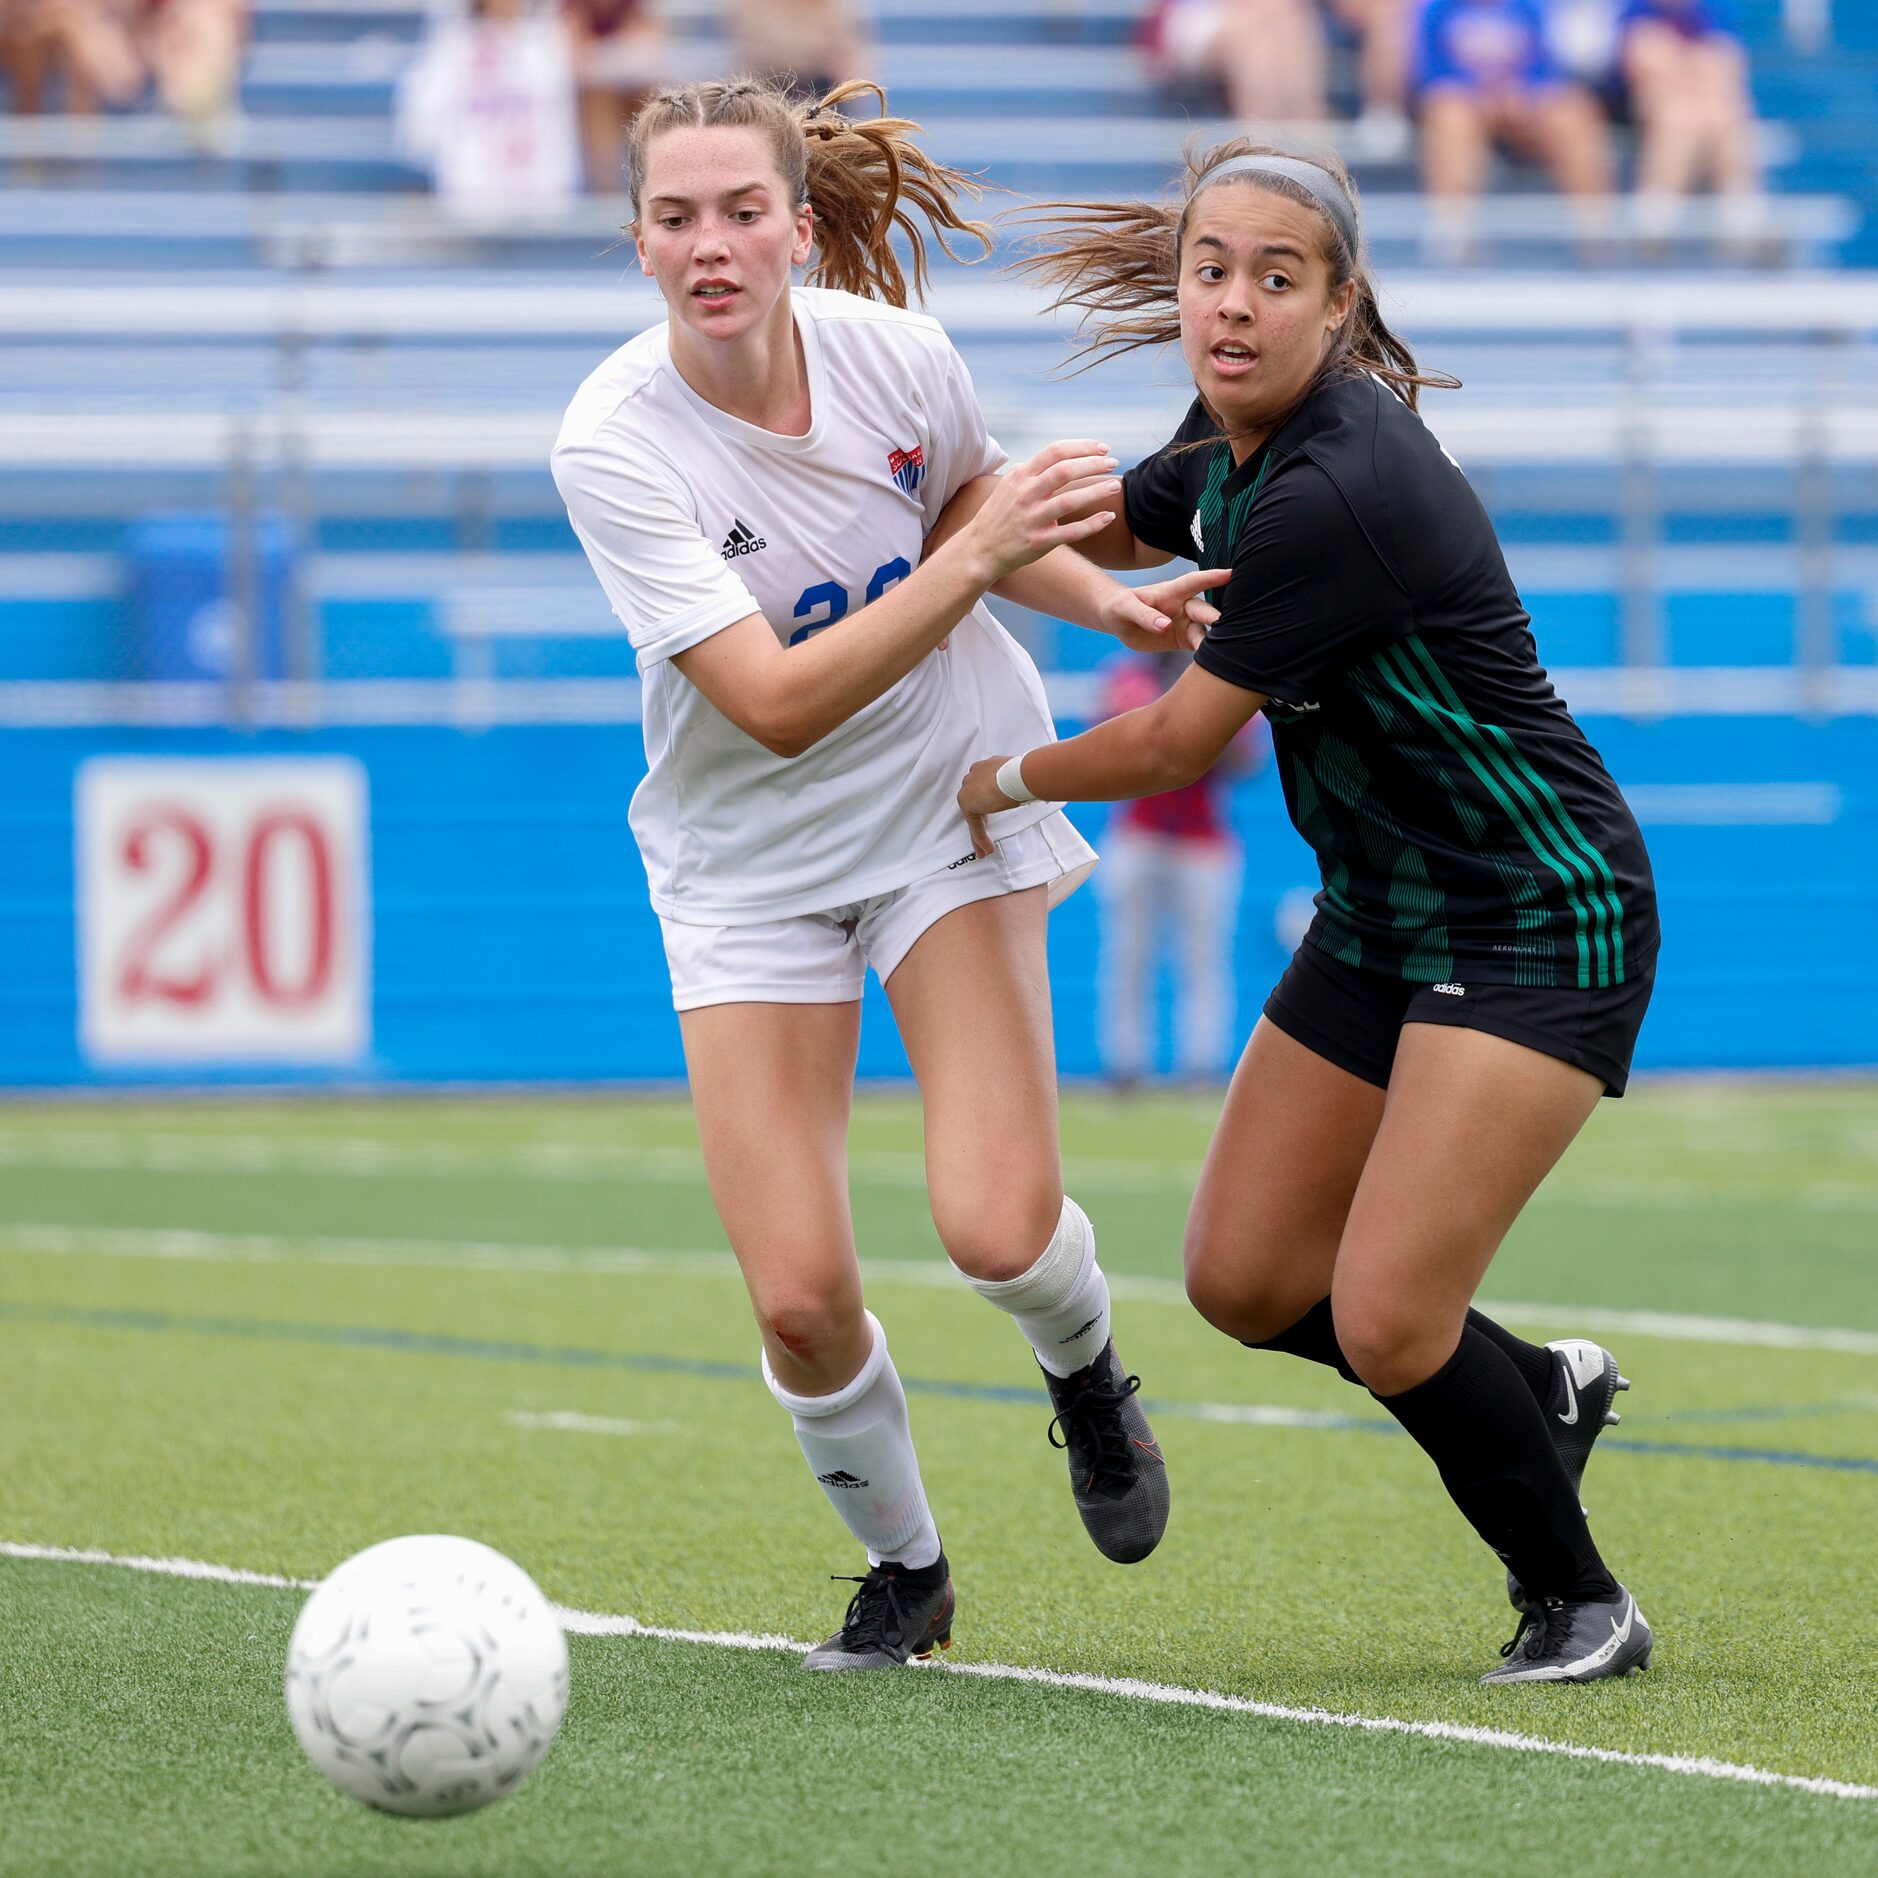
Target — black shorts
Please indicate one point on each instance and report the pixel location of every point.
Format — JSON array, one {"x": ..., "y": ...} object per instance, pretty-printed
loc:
[{"x": 1351, "y": 1017}]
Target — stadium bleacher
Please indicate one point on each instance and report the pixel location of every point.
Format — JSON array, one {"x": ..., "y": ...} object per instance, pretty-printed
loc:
[
  {"x": 303, "y": 311},
  {"x": 285, "y": 341}
]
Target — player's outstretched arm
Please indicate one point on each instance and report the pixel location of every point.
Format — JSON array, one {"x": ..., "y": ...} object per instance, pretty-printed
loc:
[
  {"x": 1164, "y": 745},
  {"x": 1111, "y": 545},
  {"x": 790, "y": 698},
  {"x": 1166, "y": 616}
]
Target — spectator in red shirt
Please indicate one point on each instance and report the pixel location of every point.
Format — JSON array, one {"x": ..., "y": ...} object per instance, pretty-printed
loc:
[{"x": 1169, "y": 882}]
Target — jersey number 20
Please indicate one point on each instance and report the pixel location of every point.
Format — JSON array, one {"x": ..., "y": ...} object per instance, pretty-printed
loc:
[{"x": 827, "y": 601}]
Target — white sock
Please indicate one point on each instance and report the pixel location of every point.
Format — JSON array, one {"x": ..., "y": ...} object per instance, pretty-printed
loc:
[
  {"x": 860, "y": 1448},
  {"x": 1062, "y": 1303}
]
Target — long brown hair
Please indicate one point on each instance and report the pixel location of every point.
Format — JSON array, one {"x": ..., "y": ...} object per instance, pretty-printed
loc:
[
  {"x": 861, "y": 176},
  {"x": 1118, "y": 263}
]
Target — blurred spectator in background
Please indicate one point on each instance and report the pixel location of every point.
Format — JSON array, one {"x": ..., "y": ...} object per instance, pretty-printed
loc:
[
  {"x": 1687, "y": 74},
  {"x": 85, "y": 47},
  {"x": 106, "y": 52},
  {"x": 194, "y": 48},
  {"x": 1582, "y": 35},
  {"x": 1486, "y": 75},
  {"x": 816, "y": 44},
  {"x": 1382, "y": 58},
  {"x": 619, "y": 53},
  {"x": 1268, "y": 56},
  {"x": 1169, "y": 886},
  {"x": 488, "y": 107}
]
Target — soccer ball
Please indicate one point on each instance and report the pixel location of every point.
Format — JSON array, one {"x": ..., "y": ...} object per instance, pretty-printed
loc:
[{"x": 427, "y": 1675}]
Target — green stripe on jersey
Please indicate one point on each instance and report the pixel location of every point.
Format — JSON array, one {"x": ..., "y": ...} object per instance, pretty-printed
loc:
[
  {"x": 1605, "y": 895},
  {"x": 1317, "y": 828},
  {"x": 1535, "y": 955},
  {"x": 1456, "y": 726},
  {"x": 1212, "y": 507},
  {"x": 1416, "y": 904},
  {"x": 1220, "y": 520}
]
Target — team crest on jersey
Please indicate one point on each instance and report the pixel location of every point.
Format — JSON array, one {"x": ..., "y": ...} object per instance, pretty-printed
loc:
[{"x": 907, "y": 467}]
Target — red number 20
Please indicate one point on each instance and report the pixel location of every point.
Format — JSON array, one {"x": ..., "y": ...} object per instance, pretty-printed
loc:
[{"x": 143, "y": 978}]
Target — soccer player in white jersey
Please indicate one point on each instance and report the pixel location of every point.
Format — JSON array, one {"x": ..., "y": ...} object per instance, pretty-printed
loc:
[{"x": 791, "y": 500}]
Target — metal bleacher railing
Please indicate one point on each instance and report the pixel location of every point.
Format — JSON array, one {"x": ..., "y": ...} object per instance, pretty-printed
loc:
[
  {"x": 290, "y": 325},
  {"x": 1626, "y": 388}
]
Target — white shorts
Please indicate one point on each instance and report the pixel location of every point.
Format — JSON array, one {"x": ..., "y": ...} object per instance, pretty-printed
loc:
[{"x": 822, "y": 958}]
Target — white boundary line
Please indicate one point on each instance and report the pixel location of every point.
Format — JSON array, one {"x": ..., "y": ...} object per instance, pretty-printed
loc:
[
  {"x": 174, "y": 1152},
  {"x": 190, "y": 1246},
  {"x": 573, "y": 1422},
  {"x": 1128, "y": 1688}
]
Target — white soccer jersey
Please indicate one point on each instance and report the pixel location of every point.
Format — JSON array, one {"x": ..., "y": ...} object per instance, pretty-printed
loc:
[{"x": 694, "y": 520}]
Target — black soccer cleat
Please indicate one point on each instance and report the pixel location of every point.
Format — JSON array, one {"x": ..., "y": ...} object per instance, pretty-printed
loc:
[
  {"x": 1583, "y": 1642},
  {"x": 1115, "y": 1467},
  {"x": 897, "y": 1613},
  {"x": 1585, "y": 1383}
]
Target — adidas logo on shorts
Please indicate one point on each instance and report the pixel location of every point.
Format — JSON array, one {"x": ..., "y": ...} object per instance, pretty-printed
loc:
[{"x": 742, "y": 539}]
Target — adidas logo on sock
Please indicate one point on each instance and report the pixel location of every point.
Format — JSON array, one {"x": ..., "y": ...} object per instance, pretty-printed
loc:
[
  {"x": 1084, "y": 1331},
  {"x": 742, "y": 539},
  {"x": 840, "y": 1479}
]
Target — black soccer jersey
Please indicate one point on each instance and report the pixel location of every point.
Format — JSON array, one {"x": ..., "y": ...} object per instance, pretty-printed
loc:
[{"x": 1463, "y": 825}]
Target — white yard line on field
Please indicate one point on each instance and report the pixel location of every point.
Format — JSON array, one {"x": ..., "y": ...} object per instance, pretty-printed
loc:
[
  {"x": 572, "y": 1422},
  {"x": 173, "y": 1153},
  {"x": 1682, "y": 1327},
  {"x": 262, "y": 1248},
  {"x": 162, "y": 1567},
  {"x": 1126, "y": 1688},
  {"x": 187, "y": 1245},
  {"x": 107, "y": 1151}
]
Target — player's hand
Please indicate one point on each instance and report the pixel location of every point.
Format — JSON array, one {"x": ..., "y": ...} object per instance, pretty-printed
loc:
[
  {"x": 1166, "y": 615},
  {"x": 1024, "y": 518},
  {"x": 979, "y": 796}
]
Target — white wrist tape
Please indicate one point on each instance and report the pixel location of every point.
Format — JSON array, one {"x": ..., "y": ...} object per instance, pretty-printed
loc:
[{"x": 1011, "y": 780}]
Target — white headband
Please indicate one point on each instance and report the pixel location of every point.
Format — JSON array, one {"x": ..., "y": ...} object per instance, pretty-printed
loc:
[{"x": 1323, "y": 187}]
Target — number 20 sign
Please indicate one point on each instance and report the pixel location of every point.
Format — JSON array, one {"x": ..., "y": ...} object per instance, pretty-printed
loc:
[{"x": 222, "y": 910}]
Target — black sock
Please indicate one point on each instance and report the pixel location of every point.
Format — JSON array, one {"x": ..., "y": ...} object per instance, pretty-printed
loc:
[
  {"x": 920, "y": 1576},
  {"x": 1477, "y": 1421},
  {"x": 1314, "y": 1337},
  {"x": 1533, "y": 1360}
]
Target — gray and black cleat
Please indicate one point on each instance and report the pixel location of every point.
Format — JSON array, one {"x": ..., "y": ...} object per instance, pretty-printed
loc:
[
  {"x": 1585, "y": 1642},
  {"x": 1115, "y": 1467},
  {"x": 1585, "y": 1383},
  {"x": 896, "y": 1614}
]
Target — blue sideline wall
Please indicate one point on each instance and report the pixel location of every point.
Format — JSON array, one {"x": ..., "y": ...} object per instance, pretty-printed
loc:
[{"x": 512, "y": 940}]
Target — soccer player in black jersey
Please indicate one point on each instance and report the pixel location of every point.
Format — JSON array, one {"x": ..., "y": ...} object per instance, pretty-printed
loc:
[{"x": 1484, "y": 944}]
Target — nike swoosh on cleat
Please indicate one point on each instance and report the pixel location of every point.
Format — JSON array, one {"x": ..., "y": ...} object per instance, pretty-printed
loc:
[
  {"x": 1571, "y": 1392},
  {"x": 1620, "y": 1635}
]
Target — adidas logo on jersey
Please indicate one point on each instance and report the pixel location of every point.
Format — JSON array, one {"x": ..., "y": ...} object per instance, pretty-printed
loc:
[
  {"x": 1199, "y": 536},
  {"x": 742, "y": 539}
]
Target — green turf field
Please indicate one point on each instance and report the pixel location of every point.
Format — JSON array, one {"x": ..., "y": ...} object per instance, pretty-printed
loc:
[{"x": 264, "y": 1335}]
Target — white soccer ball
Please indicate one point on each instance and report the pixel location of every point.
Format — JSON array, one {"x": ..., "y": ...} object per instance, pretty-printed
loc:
[{"x": 427, "y": 1675}]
